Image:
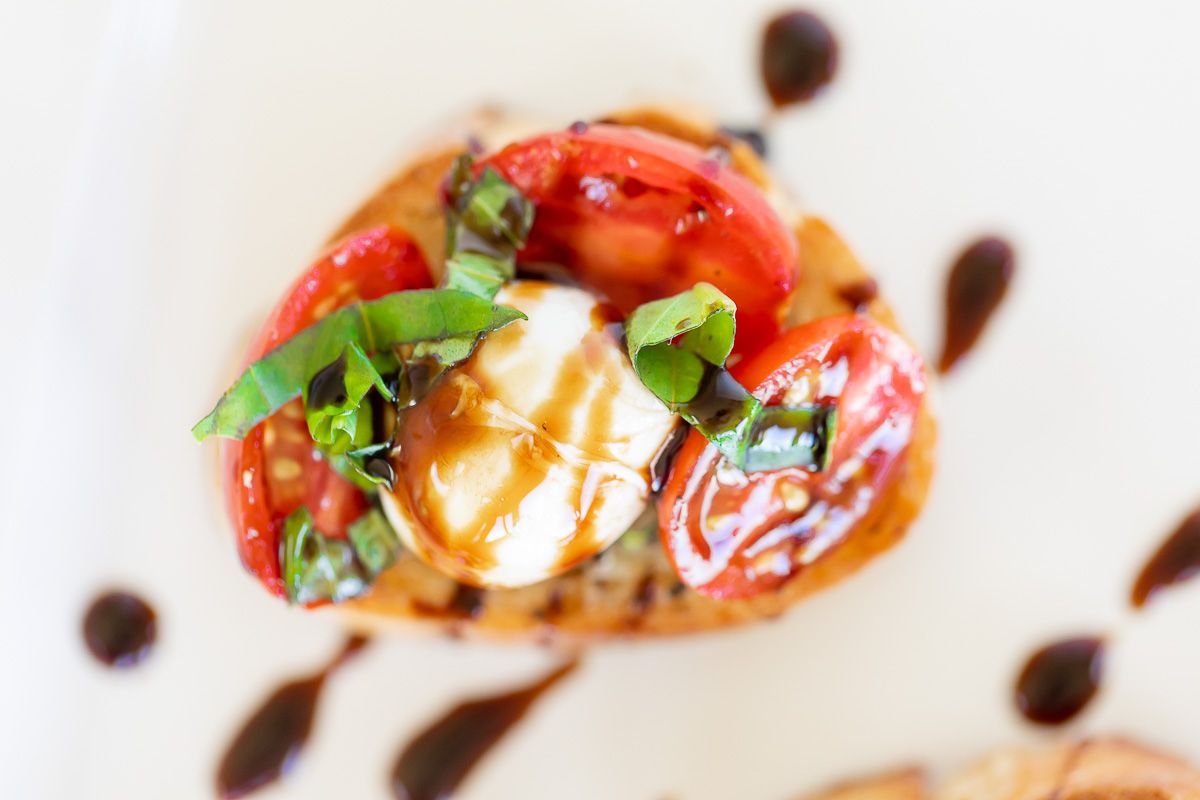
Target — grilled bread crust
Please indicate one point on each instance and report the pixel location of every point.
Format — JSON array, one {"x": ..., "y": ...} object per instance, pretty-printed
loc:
[{"x": 1107, "y": 768}]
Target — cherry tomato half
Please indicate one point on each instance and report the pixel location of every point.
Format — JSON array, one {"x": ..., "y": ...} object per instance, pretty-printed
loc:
[
  {"x": 730, "y": 534},
  {"x": 636, "y": 216},
  {"x": 277, "y": 468}
]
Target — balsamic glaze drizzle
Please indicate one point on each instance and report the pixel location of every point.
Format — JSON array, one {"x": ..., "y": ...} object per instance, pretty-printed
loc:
[
  {"x": 1175, "y": 561},
  {"x": 437, "y": 760},
  {"x": 268, "y": 743},
  {"x": 978, "y": 282}
]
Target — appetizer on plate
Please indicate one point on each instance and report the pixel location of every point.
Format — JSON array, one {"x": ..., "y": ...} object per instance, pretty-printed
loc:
[
  {"x": 1107, "y": 768},
  {"x": 595, "y": 379}
]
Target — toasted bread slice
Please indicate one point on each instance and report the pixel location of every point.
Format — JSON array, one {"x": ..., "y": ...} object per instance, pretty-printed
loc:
[
  {"x": 1093, "y": 769},
  {"x": 904, "y": 784},
  {"x": 631, "y": 588}
]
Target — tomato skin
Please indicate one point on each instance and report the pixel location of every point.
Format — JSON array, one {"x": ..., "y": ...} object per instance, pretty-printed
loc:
[
  {"x": 637, "y": 216},
  {"x": 260, "y": 489},
  {"x": 732, "y": 535}
]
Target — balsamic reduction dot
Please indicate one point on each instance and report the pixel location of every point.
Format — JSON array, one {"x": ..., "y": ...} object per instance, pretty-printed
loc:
[
  {"x": 119, "y": 629},
  {"x": 859, "y": 295},
  {"x": 751, "y": 136},
  {"x": 1059, "y": 680},
  {"x": 467, "y": 601},
  {"x": 799, "y": 57}
]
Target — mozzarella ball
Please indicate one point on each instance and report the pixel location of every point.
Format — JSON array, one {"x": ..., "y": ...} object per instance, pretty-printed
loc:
[{"x": 534, "y": 454}]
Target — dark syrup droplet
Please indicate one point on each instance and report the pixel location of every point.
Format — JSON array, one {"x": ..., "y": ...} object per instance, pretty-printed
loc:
[
  {"x": 466, "y": 602},
  {"x": 799, "y": 57},
  {"x": 380, "y": 468},
  {"x": 660, "y": 465},
  {"x": 978, "y": 282},
  {"x": 119, "y": 629},
  {"x": 858, "y": 295},
  {"x": 267, "y": 744},
  {"x": 328, "y": 386},
  {"x": 751, "y": 136},
  {"x": 434, "y": 763},
  {"x": 1059, "y": 680},
  {"x": 1176, "y": 560}
]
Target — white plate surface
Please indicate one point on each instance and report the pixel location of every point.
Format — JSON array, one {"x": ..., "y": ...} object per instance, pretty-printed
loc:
[{"x": 177, "y": 163}]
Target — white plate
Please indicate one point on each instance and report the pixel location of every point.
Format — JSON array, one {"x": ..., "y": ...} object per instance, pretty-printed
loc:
[{"x": 224, "y": 139}]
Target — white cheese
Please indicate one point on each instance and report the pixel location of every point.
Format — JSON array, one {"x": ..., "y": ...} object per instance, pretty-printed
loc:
[{"x": 533, "y": 455}]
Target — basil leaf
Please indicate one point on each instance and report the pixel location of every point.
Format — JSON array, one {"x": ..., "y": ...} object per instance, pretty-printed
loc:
[
  {"x": 353, "y": 471},
  {"x": 374, "y": 541},
  {"x": 479, "y": 274},
  {"x": 402, "y": 317},
  {"x": 368, "y": 466},
  {"x": 673, "y": 341},
  {"x": 459, "y": 182},
  {"x": 488, "y": 222},
  {"x": 446, "y": 351},
  {"x": 338, "y": 419},
  {"x": 496, "y": 211},
  {"x": 317, "y": 568},
  {"x": 678, "y": 346}
]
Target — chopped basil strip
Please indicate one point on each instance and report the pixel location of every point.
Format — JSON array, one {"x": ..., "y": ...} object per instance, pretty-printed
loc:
[
  {"x": 315, "y": 567},
  {"x": 338, "y": 419},
  {"x": 487, "y": 223},
  {"x": 678, "y": 346},
  {"x": 374, "y": 541},
  {"x": 367, "y": 466},
  {"x": 446, "y": 351},
  {"x": 346, "y": 466},
  {"x": 403, "y": 317},
  {"x": 459, "y": 182}
]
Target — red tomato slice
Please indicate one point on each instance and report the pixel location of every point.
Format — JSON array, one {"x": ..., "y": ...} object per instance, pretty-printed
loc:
[
  {"x": 276, "y": 468},
  {"x": 637, "y": 216},
  {"x": 732, "y": 535}
]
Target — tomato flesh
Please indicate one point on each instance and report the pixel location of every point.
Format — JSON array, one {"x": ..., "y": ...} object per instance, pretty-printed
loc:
[
  {"x": 636, "y": 216},
  {"x": 277, "y": 468},
  {"x": 732, "y": 535}
]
